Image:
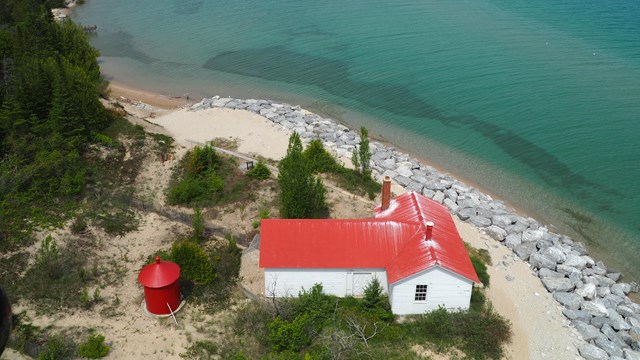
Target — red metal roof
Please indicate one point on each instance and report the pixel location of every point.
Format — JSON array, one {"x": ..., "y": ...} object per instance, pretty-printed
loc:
[
  {"x": 159, "y": 274},
  {"x": 394, "y": 240}
]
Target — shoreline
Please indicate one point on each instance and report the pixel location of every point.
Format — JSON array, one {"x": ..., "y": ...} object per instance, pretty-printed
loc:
[{"x": 169, "y": 102}]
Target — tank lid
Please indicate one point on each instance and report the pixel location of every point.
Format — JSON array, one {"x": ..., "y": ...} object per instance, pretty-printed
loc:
[{"x": 159, "y": 274}]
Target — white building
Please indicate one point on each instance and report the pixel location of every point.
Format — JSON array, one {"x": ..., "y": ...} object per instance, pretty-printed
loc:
[{"x": 412, "y": 247}]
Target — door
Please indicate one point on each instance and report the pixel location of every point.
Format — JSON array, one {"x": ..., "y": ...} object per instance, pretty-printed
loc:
[{"x": 360, "y": 282}]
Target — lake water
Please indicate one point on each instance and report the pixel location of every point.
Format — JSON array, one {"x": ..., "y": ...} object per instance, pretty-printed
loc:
[{"x": 536, "y": 101}]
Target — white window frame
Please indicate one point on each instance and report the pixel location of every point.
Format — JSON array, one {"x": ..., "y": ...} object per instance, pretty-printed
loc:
[{"x": 421, "y": 291}]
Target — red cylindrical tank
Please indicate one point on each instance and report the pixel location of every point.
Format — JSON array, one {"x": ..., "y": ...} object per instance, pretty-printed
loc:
[{"x": 161, "y": 287}]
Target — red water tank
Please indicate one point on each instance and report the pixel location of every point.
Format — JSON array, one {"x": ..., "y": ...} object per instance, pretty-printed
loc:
[{"x": 161, "y": 287}]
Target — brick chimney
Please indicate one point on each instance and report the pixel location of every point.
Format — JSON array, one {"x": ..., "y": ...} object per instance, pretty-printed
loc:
[
  {"x": 386, "y": 193},
  {"x": 429, "y": 230}
]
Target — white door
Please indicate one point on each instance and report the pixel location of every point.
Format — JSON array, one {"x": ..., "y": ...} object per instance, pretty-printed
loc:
[{"x": 360, "y": 282}]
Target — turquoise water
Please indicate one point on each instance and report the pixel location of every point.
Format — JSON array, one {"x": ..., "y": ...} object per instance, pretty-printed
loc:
[{"x": 536, "y": 101}]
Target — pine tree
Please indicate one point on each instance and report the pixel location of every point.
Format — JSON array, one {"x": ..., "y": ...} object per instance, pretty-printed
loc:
[
  {"x": 301, "y": 194},
  {"x": 364, "y": 152}
]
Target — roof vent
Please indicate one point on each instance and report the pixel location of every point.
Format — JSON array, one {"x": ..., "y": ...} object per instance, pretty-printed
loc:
[{"x": 429, "y": 230}]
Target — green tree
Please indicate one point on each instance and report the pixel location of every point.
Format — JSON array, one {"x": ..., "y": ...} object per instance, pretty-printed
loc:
[
  {"x": 302, "y": 196},
  {"x": 364, "y": 153},
  {"x": 197, "y": 223}
]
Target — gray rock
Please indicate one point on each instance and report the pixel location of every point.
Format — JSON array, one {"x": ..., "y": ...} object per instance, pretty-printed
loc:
[
  {"x": 436, "y": 186},
  {"x": 503, "y": 220},
  {"x": 588, "y": 291},
  {"x": 467, "y": 202},
  {"x": 451, "y": 194},
  {"x": 402, "y": 180},
  {"x": 554, "y": 253},
  {"x": 538, "y": 261},
  {"x": 618, "y": 322},
  {"x": 620, "y": 289},
  {"x": 568, "y": 270},
  {"x": 587, "y": 331},
  {"x": 612, "y": 335},
  {"x": 439, "y": 196},
  {"x": 513, "y": 240},
  {"x": 495, "y": 232},
  {"x": 575, "y": 261},
  {"x": 577, "y": 315},
  {"x": 631, "y": 354},
  {"x": 525, "y": 250},
  {"x": 429, "y": 193},
  {"x": 595, "y": 308},
  {"x": 509, "y": 277},
  {"x": 532, "y": 235},
  {"x": 479, "y": 221},
  {"x": 615, "y": 276},
  {"x": 626, "y": 311},
  {"x": 591, "y": 352},
  {"x": 466, "y": 213},
  {"x": 599, "y": 321},
  {"x": 451, "y": 205},
  {"x": 415, "y": 186},
  {"x": 554, "y": 284},
  {"x": 608, "y": 346},
  {"x": 544, "y": 272},
  {"x": 571, "y": 301}
]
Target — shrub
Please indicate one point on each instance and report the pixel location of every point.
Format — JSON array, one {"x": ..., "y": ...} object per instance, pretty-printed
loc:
[
  {"x": 194, "y": 262},
  {"x": 319, "y": 159},
  {"x": 481, "y": 270},
  {"x": 197, "y": 223},
  {"x": 373, "y": 295},
  {"x": 260, "y": 171},
  {"x": 79, "y": 225},
  {"x": 290, "y": 335},
  {"x": 93, "y": 348},
  {"x": 201, "y": 159},
  {"x": 55, "y": 348}
]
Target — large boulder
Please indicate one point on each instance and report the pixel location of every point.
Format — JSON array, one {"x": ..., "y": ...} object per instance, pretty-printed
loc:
[
  {"x": 513, "y": 240},
  {"x": 554, "y": 253},
  {"x": 588, "y": 291},
  {"x": 503, "y": 220},
  {"x": 571, "y": 301},
  {"x": 578, "y": 315},
  {"x": 533, "y": 235},
  {"x": 496, "y": 233},
  {"x": 480, "y": 221},
  {"x": 539, "y": 261},
  {"x": 588, "y": 332},
  {"x": 591, "y": 352},
  {"x": 554, "y": 284},
  {"x": 595, "y": 308},
  {"x": 618, "y": 321},
  {"x": 611, "y": 348},
  {"x": 575, "y": 261},
  {"x": 525, "y": 250}
]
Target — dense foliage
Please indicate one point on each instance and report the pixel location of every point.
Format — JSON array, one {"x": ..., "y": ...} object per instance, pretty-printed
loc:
[
  {"x": 302, "y": 195},
  {"x": 197, "y": 181},
  {"x": 260, "y": 171},
  {"x": 49, "y": 113}
]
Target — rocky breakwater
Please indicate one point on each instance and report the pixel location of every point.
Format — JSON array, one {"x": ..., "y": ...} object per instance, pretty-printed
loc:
[{"x": 594, "y": 298}]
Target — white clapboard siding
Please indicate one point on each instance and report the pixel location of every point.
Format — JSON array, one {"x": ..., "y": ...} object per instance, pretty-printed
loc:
[
  {"x": 444, "y": 289},
  {"x": 339, "y": 282}
]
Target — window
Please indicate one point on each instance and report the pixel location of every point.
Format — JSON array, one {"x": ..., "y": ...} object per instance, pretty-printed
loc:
[{"x": 421, "y": 293}]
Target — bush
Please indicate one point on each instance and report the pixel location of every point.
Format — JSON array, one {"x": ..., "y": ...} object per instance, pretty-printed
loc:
[
  {"x": 197, "y": 223},
  {"x": 260, "y": 171},
  {"x": 93, "y": 348},
  {"x": 79, "y": 225},
  {"x": 373, "y": 295},
  {"x": 55, "y": 349},
  {"x": 290, "y": 335},
  {"x": 481, "y": 270},
  {"x": 193, "y": 261},
  {"x": 196, "y": 181},
  {"x": 319, "y": 159}
]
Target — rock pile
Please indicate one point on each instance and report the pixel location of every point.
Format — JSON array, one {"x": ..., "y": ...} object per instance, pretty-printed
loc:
[{"x": 594, "y": 298}]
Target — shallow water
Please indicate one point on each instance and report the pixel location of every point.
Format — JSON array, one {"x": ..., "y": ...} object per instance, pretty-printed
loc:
[{"x": 536, "y": 101}]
